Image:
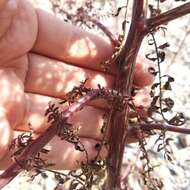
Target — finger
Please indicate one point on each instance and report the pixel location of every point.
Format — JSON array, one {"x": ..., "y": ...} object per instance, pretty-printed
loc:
[
  {"x": 68, "y": 43},
  {"x": 7, "y": 10},
  {"x": 142, "y": 76},
  {"x": 142, "y": 98},
  {"x": 5, "y": 134},
  {"x": 53, "y": 78},
  {"x": 63, "y": 154},
  {"x": 142, "y": 101},
  {"x": 78, "y": 47},
  {"x": 18, "y": 26},
  {"x": 89, "y": 120},
  {"x": 136, "y": 133}
]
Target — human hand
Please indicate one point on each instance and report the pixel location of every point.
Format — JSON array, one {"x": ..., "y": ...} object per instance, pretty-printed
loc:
[{"x": 41, "y": 59}]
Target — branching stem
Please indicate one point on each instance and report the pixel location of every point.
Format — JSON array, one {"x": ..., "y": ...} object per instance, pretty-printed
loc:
[
  {"x": 161, "y": 127},
  {"x": 140, "y": 26},
  {"x": 32, "y": 149},
  {"x": 119, "y": 124},
  {"x": 168, "y": 16}
]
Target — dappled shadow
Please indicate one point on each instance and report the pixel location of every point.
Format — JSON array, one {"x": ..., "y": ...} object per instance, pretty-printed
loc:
[
  {"x": 88, "y": 121},
  {"x": 69, "y": 158},
  {"x": 54, "y": 78}
]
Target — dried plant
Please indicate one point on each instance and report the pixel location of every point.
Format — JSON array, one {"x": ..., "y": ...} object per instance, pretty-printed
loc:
[{"x": 146, "y": 20}]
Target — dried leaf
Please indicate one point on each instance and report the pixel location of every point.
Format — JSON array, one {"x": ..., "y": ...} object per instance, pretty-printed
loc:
[
  {"x": 79, "y": 148},
  {"x": 178, "y": 119},
  {"x": 167, "y": 156},
  {"x": 45, "y": 151},
  {"x": 152, "y": 71},
  {"x": 165, "y": 45},
  {"x": 160, "y": 147},
  {"x": 73, "y": 186},
  {"x": 154, "y": 100},
  {"x": 44, "y": 175},
  {"x": 148, "y": 56},
  {"x": 155, "y": 85},
  {"x": 119, "y": 10},
  {"x": 165, "y": 110},
  {"x": 167, "y": 86},
  {"x": 124, "y": 25},
  {"x": 150, "y": 42},
  {"x": 161, "y": 56},
  {"x": 170, "y": 79},
  {"x": 169, "y": 102},
  {"x": 167, "y": 141}
]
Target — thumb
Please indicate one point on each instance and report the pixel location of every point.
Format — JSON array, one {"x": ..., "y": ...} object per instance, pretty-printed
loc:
[
  {"x": 5, "y": 135},
  {"x": 7, "y": 10}
]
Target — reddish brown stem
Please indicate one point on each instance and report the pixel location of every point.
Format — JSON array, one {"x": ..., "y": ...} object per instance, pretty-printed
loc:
[
  {"x": 124, "y": 80},
  {"x": 108, "y": 33},
  {"x": 140, "y": 26},
  {"x": 168, "y": 16},
  {"x": 148, "y": 127},
  {"x": 11, "y": 172},
  {"x": 133, "y": 131},
  {"x": 31, "y": 150}
]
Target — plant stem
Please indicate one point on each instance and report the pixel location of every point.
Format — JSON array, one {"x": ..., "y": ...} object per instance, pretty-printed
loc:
[
  {"x": 12, "y": 171},
  {"x": 168, "y": 16},
  {"x": 148, "y": 127},
  {"x": 119, "y": 124},
  {"x": 31, "y": 150},
  {"x": 140, "y": 26},
  {"x": 108, "y": 33}
]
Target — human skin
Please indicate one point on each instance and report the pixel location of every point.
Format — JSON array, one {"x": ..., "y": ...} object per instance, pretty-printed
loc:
[{"x": 41, "y": 59}]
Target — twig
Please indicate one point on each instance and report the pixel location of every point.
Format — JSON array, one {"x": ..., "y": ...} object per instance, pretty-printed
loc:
[
  {"x": 168, "y": 16},
  {"x": 107, "y": 32},
  {"x": 133, "y": 131},
  {"x": 104, "y": 29},
  {"x": 148, "y": 127},
  {"x": 31, "y": 150},
  {"x": 119, "y": 124}
]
